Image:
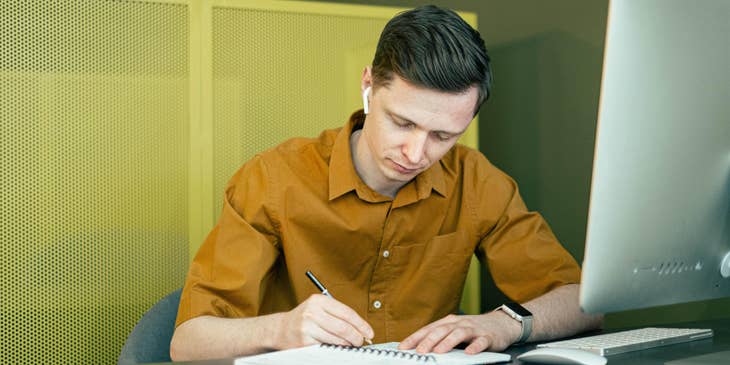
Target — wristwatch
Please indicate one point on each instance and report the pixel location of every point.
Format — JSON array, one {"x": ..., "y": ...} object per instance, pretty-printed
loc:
[{"x": 520, "y": 314}]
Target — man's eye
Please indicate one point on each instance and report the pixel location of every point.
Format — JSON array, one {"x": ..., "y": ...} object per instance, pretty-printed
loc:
[{"x": 443, "y": 137}]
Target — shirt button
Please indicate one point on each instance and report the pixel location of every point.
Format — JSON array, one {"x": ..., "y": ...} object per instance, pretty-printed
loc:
[
  {"x": 377, "y": 304},
  {"x": 386, "y": 253}
]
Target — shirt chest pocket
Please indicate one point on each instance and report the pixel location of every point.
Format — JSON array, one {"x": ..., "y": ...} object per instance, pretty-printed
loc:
[
  {"x": 431, "y": 274},
  {"x": 453, "y": 246}
]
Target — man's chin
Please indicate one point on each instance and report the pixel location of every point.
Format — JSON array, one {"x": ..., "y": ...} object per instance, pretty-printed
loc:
[
  {"x": 398, "y": 176},
  {"x": 403, "y": 171}
]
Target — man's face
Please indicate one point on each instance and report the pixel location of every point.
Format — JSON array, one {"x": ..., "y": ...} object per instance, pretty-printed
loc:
[{"x": 409, "y": 128}]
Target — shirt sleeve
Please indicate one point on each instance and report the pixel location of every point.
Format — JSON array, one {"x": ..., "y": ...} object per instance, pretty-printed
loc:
[
  {"x": 522, "y": 254},
  {"x": 229, "y": 274}
]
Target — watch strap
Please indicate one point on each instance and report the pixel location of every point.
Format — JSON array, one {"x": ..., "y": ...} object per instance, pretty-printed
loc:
[
  {"x": 526, "y": 330},
  {"x": 525, "y": 322}
]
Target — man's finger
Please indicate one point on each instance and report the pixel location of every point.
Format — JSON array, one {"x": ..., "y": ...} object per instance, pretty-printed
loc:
[
  {"x": 478, "y": 345},
  {"x": 434, "y": 336},
  {"x": 338, "y": 309},
  {"x": 342, "y": 329},
  {"x": 320, "y": 335},
  {"x": 457, "y": 336},
  {"x": 416, "y": 337}
]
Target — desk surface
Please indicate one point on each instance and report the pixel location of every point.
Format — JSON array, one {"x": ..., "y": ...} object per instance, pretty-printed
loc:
[{"x": 656, "y": 356}]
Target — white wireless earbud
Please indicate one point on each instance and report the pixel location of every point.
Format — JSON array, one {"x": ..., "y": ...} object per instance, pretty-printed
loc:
[{"x": 365, "y": 103}]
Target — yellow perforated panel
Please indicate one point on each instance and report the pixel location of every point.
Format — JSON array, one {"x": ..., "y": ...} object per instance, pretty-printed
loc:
[
  {"x": 94, "y": 139},
  {"x": 279, "y": 75}
]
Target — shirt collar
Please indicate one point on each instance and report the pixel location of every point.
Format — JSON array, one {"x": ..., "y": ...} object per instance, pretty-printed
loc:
[
  {"x": 342, "y": 175},
  {"x": 343, "y": 178},
  {"x": 432, "y": 178}
]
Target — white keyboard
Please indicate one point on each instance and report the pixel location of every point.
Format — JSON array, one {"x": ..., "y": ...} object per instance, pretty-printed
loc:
[{"x": 632, "y": 340}]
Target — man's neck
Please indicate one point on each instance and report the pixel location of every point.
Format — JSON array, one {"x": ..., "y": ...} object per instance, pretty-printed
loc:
[{"x": 366, "y": 167}]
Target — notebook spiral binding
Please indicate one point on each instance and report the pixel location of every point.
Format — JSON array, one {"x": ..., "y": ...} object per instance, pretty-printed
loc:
[{"x": 382, "y": 352}]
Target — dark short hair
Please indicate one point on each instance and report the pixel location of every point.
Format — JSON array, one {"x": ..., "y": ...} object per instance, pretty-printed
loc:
[{"x": 435, "y": 48}]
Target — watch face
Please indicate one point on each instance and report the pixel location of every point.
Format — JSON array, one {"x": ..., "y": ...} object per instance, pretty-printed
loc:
[{"x": 522, "y": 311}]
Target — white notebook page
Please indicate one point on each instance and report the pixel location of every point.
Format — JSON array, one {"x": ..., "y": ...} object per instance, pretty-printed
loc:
[
  {"x": 381, "y": 354},
  {"x": 454, "y": 357}
]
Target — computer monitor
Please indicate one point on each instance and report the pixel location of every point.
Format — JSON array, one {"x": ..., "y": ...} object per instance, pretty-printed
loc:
[{"x": 659, "y": 218}]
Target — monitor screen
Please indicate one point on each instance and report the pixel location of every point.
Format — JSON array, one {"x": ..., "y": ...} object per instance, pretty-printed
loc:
[{"x": 659, "y": 218}]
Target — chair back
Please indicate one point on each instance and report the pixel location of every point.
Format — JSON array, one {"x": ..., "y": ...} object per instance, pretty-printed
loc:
[{"x": 149, "y": 341}]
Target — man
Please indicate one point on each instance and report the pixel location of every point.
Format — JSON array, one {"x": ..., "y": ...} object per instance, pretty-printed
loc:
[{"x": 387, "y": 212}]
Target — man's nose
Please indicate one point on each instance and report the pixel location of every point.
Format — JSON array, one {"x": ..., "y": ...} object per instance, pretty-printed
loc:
[{"x": 415, "y": 146}]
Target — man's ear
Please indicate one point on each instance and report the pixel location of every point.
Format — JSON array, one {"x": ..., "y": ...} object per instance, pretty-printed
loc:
[
  {"x": 367, "y": 79},
  {"x": 366, "y": 85}
]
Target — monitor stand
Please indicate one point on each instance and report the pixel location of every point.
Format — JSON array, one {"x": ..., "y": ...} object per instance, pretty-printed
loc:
[
  {"x": 725, "y": 266},
  {"x": 714, "y": 358}
]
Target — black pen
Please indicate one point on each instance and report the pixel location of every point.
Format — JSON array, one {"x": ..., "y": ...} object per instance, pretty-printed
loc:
[
  {"x": 318, "y": 284},
  {"x": 324, "y": 291}
]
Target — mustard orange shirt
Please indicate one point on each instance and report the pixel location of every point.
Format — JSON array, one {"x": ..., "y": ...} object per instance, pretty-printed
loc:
[{"x": 399, "y": 262}]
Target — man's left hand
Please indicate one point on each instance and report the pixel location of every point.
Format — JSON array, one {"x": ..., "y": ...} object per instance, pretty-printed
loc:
[{"x": 493, "y": 331}]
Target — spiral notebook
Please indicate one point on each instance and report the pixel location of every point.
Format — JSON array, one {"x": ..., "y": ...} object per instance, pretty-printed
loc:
[{"x": 381, "y": 354}]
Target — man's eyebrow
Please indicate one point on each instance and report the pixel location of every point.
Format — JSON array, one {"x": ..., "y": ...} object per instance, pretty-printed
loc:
[
  {"x": 404, "y": 119},
  {"x": 398, "y": 116}
]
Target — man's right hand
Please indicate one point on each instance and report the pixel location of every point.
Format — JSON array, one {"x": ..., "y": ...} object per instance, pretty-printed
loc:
[
  {"x": 322, "y": 319},
  {"x": 319, "y": 319}
]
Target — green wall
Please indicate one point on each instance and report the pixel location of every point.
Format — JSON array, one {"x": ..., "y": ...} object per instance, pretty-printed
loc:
[{"x": 539, "y": 126}]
